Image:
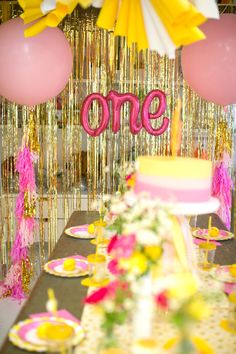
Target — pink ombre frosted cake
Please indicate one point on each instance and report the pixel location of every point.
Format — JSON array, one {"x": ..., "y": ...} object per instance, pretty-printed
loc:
[{"x": 174, "y": 179}]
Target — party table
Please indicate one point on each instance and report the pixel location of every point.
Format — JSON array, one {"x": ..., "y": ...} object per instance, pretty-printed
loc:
[{"x": 69, "y": 291}]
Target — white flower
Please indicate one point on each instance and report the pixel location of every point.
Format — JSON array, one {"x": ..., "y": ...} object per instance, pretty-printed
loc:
[
  {"x": 147, "y": 237},
  {"x": 118, "y": 208},
  {"x": 131, "y": 228},
  {"x": 109, "y": 305},
  {"x": 128, "y": 304}
]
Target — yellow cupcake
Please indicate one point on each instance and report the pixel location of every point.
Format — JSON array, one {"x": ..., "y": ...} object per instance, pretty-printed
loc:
[
  {"x": 214, "y": 231},
  {"x": 54, "y": 331},
  {"x": 91, "y": 229},
  {"x": 69, "y": 264}
]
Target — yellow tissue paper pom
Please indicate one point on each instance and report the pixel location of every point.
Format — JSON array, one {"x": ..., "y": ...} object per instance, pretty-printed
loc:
[
  {"x": 214, "y": 231},
  {"x": 69, "y": 264},
  {"x": 54, "y": 331},
  {"x": 91, "y": 229}
]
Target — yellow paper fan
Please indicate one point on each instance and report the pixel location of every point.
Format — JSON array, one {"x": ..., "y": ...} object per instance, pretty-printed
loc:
[
  {"x": 159, "y": 25},
  {"x": 49, "y": 13}
]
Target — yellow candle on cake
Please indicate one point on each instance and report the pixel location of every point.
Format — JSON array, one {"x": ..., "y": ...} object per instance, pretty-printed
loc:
[{"x": 54, "y": 331}]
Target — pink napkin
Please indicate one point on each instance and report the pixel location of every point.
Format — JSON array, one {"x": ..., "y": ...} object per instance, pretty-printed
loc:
[
  {"x": 61, "y": 313},
  {"x": 198, "y": 241},
  {"x": 229, "y": 288}
]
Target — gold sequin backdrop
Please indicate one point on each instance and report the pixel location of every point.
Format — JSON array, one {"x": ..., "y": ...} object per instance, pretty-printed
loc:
[{"x": 75, "y": 169}]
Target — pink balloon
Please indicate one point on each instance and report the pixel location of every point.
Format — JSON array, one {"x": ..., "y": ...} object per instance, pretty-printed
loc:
[
  {"x": 146, "y": 115},
  {"x": 209, "y": 65},
  {"x": 36, "y": 69},
  {"x": 118, "y": 99},
  {"x": 84, "y": 114}
]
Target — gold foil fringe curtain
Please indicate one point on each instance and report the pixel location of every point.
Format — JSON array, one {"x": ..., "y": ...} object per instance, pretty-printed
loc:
[{"x": 74, "y": 169}]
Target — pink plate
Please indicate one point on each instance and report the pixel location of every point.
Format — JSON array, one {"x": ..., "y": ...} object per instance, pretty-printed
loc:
[
  {"x": 222, "y": 236},
  {"x": 55, "y": 267},
  {"x": 25, "y": 336},
  {"x": 80, "y": 231}
]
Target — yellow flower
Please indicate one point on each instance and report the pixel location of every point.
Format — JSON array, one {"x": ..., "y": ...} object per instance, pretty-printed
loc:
[
  {"x": 183, "y": 286},
  {"x": 198, "y": 309},
  {"x": 153, "y": 252},
  {"x": 130, "y": 182},
  {"x": 136, "y": 264}
]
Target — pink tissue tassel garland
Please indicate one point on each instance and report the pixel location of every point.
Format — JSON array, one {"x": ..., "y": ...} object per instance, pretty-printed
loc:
[
  {"x": 221, "y": 188},
  {"x": 15, "y": 284}
]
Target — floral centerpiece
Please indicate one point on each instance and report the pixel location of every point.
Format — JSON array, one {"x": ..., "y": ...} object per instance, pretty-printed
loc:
[
  {"x": 148, "y": 244},
  {"x": 148, "y": 248},
  {"x": 144, "y": 240},
  {"x": 114, "y": 302}
]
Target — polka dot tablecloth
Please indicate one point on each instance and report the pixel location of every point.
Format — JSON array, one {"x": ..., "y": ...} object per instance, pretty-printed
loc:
[{"x": 222, "y": 342}]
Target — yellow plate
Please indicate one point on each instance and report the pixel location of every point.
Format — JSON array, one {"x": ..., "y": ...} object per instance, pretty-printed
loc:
[
  {"x": 104, "y": 242},
  {"x": 91, "y": 282}
]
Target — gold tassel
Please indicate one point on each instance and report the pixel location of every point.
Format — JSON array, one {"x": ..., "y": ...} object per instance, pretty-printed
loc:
[
  {"x": 32, "y": 133},
  {"x": 29, "y": 205},
  {"x": 26, "y": 275},
  {"x": 223, "y": 142}
]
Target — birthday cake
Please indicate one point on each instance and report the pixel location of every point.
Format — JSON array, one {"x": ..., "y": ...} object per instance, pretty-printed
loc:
[{"x": 174, "y": 179}]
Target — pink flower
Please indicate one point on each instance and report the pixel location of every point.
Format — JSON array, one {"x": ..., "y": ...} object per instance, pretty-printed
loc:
[
  {"x": 122, "y": 246},
  {"x": 113, "y": 267},
  {"x": 97, "y": 296},
  {"x": 130, "y": 180},
  {"x": 102, "y": 293},
  {"x": 112, "y": 243},
  {"x": 162, "y": 300}
]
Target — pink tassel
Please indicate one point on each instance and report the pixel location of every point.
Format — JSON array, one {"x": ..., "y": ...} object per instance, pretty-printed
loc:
[
  {"x": 19, "y": 206},
  {"x": 24, "y": 165},
  {"x": 221, "y": 188},
  {"x": 18, "y": 251},
  {"x": 13, "y": 283},
  {"x": 25, "y": 228}
]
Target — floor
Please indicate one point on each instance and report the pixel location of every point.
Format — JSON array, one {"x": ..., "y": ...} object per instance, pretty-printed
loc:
[{"x": 9, "y": 310}]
